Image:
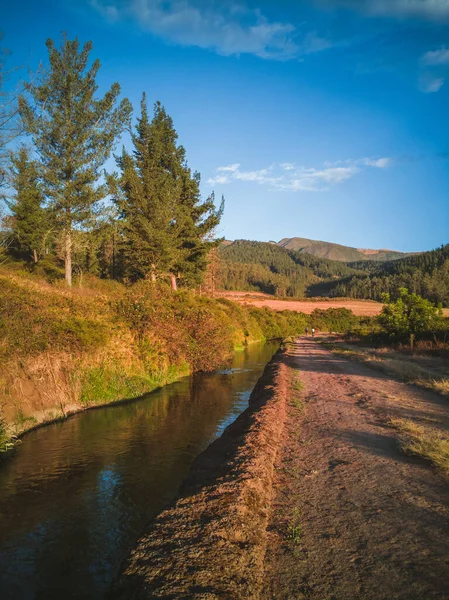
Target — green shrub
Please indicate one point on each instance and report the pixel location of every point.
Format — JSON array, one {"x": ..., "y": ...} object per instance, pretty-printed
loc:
[{"x": 339, "y": 320}]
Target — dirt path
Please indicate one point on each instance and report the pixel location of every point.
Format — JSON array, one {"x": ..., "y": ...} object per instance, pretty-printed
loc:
[{"x": 353, "y": 518}]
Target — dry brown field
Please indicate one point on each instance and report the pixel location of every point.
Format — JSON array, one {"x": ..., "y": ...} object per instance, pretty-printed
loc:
[
  {"x": 367, "y": 308},
  {"x": 359, "y": 307}
]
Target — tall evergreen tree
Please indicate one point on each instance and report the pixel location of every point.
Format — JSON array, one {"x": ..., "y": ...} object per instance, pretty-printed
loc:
[
  {"x": 30, "y": 222},
  {"x": 74, "y": 133},
  {"x": 166, "y": 226}
]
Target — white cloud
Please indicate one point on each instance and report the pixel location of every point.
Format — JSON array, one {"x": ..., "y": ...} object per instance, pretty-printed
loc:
[
  {"x": 426, "y": 9},
  {"x": 226, "y": 29},
  {"x": 436, "y": 57},
  {"x": 430, "y": 84},
  {"x": 229, "y": 168},
  {"x": 315, "y": 43},
  {"x": 380, "y": 163},
  {"x": 295, "y": 178}
]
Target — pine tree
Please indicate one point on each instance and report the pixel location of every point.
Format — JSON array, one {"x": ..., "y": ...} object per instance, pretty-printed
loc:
[
  {"x": 166, "y": 226},
  {"x": 74, "y": 133},
  {"x": 30, "y": 221}
]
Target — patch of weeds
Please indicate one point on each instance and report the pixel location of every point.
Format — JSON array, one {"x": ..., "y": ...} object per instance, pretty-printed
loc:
[
  {"x": 7, "y": 440},
  {"x": 425, "y": 442},
  {"x": 438, "y": 385},
  {"x": 295, "y": 532},
  {"x": 297, "y": 388},
  {"x": 109, "y": 383},
  {"x": 23, "y": 420}
]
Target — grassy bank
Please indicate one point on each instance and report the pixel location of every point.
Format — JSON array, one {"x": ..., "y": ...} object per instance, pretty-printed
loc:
[{"x": 63, "y": 350}]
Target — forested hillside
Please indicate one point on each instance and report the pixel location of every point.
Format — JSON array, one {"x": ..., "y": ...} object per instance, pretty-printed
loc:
[
  {"x": 269, "y": 268},
  {"x": 266, "y": 267},
  {"x": 262, "y": 267},
  {"x": 425, "y": 274}
]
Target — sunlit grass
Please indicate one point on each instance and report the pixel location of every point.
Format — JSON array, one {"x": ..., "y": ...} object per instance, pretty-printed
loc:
[
  {"x": 425, "y": 442},
  {"x": 404, "y": 369}
]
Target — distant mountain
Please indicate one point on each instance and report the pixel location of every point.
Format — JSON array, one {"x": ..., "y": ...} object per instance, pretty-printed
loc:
[{"x": 339, "y": 252}]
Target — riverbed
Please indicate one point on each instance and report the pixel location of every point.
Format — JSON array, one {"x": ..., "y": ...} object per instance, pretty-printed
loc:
[{"x": 75, "y": 495}]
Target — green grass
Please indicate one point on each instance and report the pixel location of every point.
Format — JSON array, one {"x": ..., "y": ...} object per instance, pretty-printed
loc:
[
  {"x": 296, "y": 392},
  {"x": 295, "y": 532},
  {"x": 111, "y": 383},
  {"x": 7, "y": 441}
]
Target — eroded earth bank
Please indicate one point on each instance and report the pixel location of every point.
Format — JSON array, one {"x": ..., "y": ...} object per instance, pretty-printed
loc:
[{"x": 307, "y": 495}]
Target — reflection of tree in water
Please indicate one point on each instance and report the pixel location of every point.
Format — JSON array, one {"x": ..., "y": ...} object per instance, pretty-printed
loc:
[{"x": 77, "y": 494}]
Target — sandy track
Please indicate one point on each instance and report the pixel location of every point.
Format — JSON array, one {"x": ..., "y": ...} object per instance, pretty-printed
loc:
[{"x": 371, "y": 523}]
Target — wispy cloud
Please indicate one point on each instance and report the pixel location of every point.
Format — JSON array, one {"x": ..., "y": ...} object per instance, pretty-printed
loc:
[
  {"x": 425, "y": 9},
  {"x": 226, "y": 28},
  {"x": 436, "y": 57},
  {"x": 430, "y": 84},
  {"x": 229, "y": 168},
  {"x": 294, "y": 178},
  {"x": 434, "y": 66}
]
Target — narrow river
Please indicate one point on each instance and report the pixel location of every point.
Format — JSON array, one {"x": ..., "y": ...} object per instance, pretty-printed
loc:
[{"x": 76, "y": 495}]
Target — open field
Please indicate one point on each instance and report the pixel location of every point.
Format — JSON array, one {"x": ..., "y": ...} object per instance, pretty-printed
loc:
[
  {"x": 359, "y": 307},
  {"x": 366, "y": 308}
]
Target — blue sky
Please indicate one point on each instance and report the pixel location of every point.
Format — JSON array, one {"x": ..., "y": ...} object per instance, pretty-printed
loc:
[{"x": 325, "y": 119}]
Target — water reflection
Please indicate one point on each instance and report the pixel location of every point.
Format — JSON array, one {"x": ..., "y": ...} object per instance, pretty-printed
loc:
[{"x": 76, "y": 494}]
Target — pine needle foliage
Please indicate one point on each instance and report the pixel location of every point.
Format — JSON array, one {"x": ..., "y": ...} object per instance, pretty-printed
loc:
[
  {"x": 167, "y": 228},
  {"x": 74, "y": 132},
  {"x": 30, "y": 221}
]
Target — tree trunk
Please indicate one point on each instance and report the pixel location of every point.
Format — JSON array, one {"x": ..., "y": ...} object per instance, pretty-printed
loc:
[
  {"x": 153, "y": 274},
  {"x": 35, "y": 256},
  {"x": 68, "y": 258},
  {"x": 174, "y": 287}
]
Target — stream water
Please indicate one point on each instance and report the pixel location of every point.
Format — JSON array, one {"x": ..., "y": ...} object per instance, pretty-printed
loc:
[{"x": 76, "y": 494}]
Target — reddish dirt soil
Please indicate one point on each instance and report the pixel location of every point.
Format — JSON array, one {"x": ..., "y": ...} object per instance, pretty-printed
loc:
[{"x": 371, "y": 523}]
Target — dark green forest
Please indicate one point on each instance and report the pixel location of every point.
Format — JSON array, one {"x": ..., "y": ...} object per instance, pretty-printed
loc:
[
  {"x": 269, "y": 268},
  {"x": 425, "y": 274}
]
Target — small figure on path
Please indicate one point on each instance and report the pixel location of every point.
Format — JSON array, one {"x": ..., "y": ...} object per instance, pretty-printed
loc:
[
  {"x": 313, "y": 331},
  {"x": 307, "y": 331}
]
